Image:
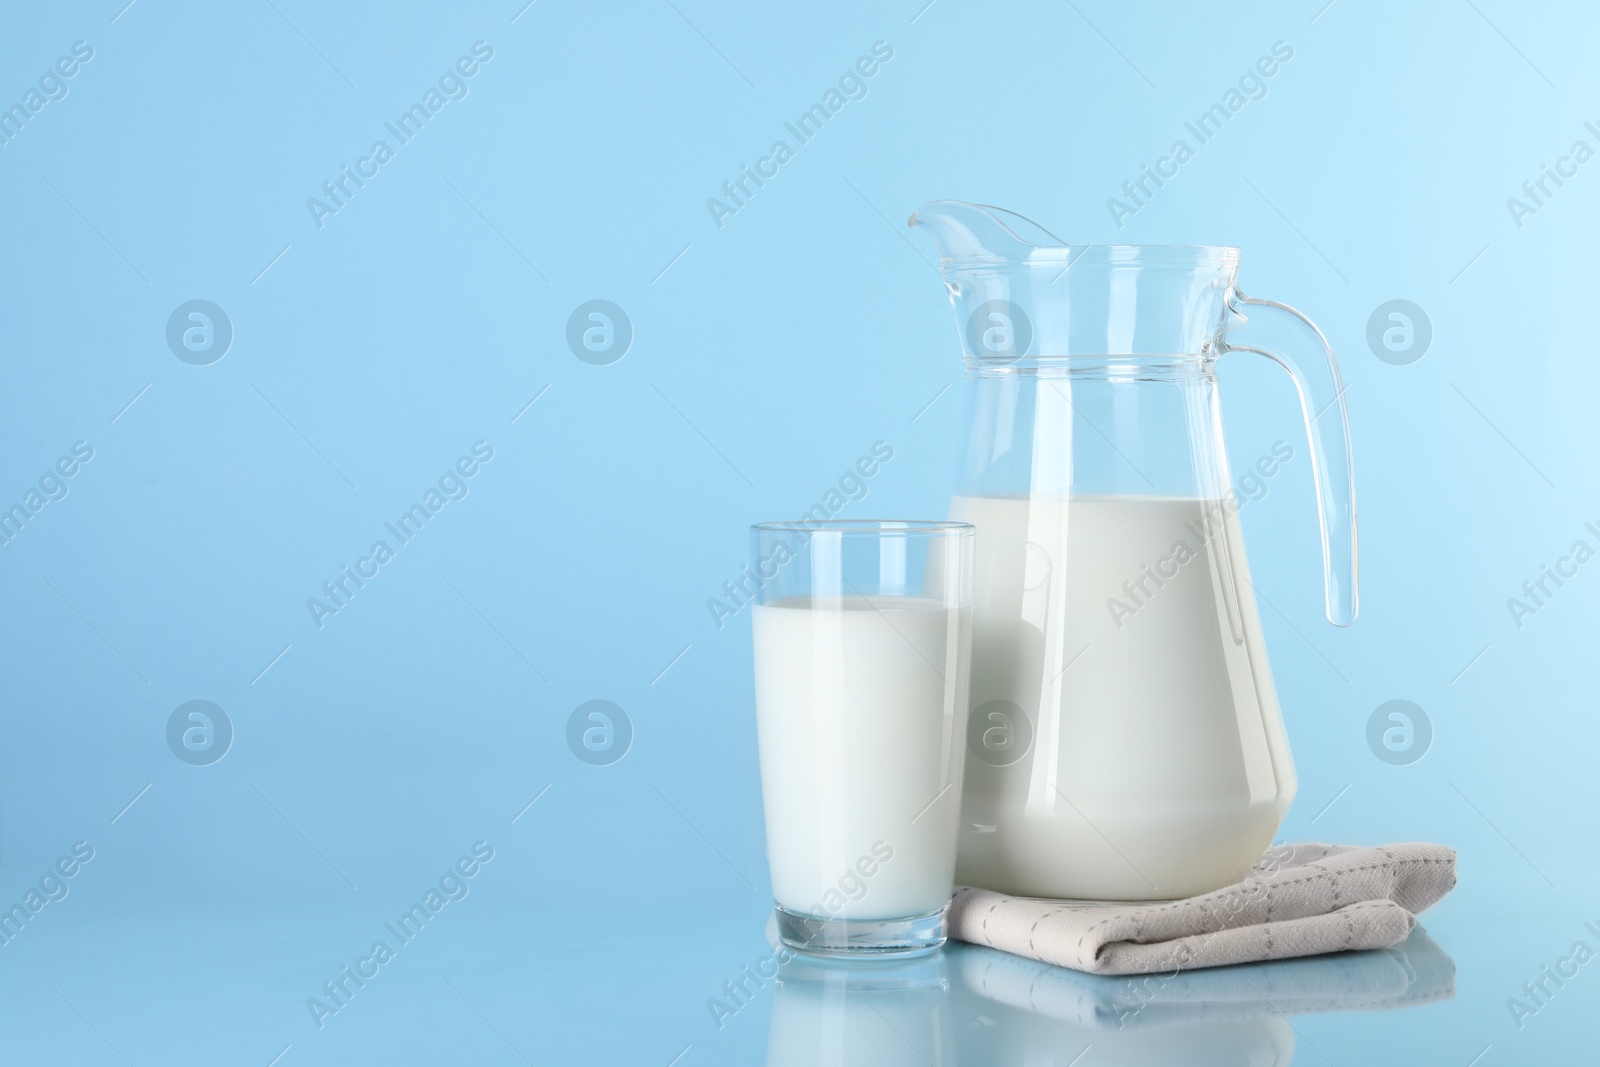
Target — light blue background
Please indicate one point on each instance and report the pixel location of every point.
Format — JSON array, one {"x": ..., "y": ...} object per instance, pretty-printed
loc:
[{"x": 768, "y": 355}]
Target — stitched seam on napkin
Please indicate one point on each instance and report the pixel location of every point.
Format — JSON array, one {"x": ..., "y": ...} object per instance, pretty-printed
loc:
[
  {"x": 986, "y": 915},
  {"x": 1319, "y": 872},
  {"x": 1344, "y": 913}
]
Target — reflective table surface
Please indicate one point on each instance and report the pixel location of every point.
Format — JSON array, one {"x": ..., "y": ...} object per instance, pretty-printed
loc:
[{"x": 140, "y": 966}]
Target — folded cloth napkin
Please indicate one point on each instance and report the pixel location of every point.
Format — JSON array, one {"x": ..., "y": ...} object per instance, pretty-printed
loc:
[{"x": 1298, "y": 900}]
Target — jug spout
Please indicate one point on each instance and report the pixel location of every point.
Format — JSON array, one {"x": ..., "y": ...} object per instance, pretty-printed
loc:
[
  {"x": 1023, "y": 297},
  {"x": 965, "y": 232}
]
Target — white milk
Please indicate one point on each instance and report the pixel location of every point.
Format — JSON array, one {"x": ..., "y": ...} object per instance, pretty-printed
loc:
[
  {"x": 862, "y": 716},
  {"x": 1157, "y": 765}
]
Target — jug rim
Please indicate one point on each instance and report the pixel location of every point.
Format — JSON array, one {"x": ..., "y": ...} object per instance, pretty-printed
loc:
[
  {"x": 1213, "y": 256},
  {"x": 1020, "y": 232}
]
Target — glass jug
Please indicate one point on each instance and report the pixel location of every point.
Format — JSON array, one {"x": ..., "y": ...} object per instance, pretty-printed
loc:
[{"x": 1124, "y": 740}]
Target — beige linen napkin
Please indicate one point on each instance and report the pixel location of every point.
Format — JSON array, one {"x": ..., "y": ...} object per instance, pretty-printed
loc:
[{"x": 1298, "y": 900}]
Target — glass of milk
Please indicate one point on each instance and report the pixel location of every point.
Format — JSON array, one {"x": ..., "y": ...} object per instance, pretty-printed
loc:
[{"x": 862, "y": 636}]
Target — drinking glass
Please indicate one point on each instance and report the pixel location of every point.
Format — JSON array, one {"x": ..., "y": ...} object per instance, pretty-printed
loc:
[{"x": 862, "y": 636}]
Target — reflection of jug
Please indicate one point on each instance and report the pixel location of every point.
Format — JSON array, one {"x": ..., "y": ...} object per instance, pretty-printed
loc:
[{"x": 1125, "y": 740}]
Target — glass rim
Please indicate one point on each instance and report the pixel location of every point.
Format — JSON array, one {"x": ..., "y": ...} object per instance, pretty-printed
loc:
[
  {"x": 866, "y": 526},
  {"x": 1096, "y": 366}
]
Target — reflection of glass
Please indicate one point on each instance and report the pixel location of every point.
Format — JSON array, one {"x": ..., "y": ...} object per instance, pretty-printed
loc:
[
  {"x": 862, "y": 635},
  {"x": 1113, "y": 609},
  {"x": 978, "y": 1006},
  {"x": 876, "y": 1013}
]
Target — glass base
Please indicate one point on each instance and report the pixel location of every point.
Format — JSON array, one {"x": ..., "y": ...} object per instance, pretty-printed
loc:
[{"x": 918, "y": 935}]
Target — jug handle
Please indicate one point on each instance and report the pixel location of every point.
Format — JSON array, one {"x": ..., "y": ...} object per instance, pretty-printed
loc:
[{"x": 1291, "y": 340}]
